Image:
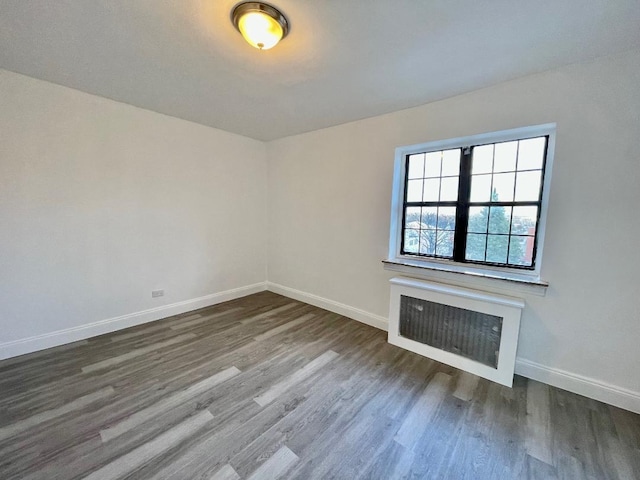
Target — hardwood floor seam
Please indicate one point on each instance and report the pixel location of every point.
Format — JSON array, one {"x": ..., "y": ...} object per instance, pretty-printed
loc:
[
  {"x": 306, "y": 371},
  {"x": 138, "y": 457},
  {"x": 35, "y": 420},
  {"x": 110, "y": 362},
  {"x": 174, "y": 400}
]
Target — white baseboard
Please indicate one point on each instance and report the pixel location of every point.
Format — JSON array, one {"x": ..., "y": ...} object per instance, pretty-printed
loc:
[
  {"x": 336, "y": 307},
  {"x": 81, "y": 332},
  {"x": 588, "y": 387}
]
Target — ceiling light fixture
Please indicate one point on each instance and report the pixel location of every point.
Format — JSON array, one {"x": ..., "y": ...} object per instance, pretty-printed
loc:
[{"x": 261, "y": 25}]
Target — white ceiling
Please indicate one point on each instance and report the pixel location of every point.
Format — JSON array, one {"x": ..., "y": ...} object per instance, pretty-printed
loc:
[{"x": 343, "y": 60}]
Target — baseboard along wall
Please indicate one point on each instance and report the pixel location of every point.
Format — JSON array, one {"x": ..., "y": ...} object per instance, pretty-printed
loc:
[
  {"x": 61, "y": 337},
  {"x": 586, "y": 386},
  {"x": 335, "y": 307}
]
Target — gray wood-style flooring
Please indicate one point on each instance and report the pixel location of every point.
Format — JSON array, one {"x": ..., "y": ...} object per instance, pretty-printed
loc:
[{"x": 265, "y": 387}]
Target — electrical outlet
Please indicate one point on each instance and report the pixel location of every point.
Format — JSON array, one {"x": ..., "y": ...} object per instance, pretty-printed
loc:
[{"x": 157, "y": 293}]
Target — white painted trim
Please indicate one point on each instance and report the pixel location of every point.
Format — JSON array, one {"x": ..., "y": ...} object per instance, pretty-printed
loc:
[
  {"x": 482, "y": 281},
  {"x": 509, "y": 309},
  {"x": 491, "y": 137},
  {"x": 362, "y": 316},
  {"x": 82, "y": 332},
  {"x": 586, "y": 386},
  {"x": 459, "y": 292},
  {"x": 397, "y": 198}
]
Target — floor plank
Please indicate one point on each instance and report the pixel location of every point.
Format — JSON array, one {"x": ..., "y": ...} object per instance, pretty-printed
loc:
[
  {"x": 538, "y": 438},
  {"x": 110, "y": 362},
  {"x": 42, "y": 417},
  {"x": 149, "y": 413},
  {"x": 276, "y": 466},
  {"x": 226, "y": 473},
  {"x": 133, "y": 460},
  {"x": 419, "y": 417},
  {"x": 304, "y": 372},
  {"x": 199, "y": 319}
]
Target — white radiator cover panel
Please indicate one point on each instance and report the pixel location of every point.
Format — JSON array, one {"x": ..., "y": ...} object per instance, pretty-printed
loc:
[{"x": 510, "y": 309}]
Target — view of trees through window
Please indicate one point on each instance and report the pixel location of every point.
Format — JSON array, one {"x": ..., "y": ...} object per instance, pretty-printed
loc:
[{"x": 423, "y": 236}]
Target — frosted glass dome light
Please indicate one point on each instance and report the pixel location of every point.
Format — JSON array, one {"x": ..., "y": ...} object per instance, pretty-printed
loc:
[{"x": 261, "y": 25}]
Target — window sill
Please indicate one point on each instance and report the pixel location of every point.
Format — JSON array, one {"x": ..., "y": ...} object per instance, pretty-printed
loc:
[{"x": 490, "y": 281}]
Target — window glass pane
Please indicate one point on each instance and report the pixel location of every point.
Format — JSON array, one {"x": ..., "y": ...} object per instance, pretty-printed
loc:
[
  {"x": 416, "y": 166},
  {"x": 497, "y": 248},
  {"x": 503, "y": 187},
  {"x": 475, "y": 247},
  {"x": 480, "y": 188},
  {"x": 449, "y": 189},
  {"x": 505, "y": 157},
  {"x": 432, "y": 166},
  {"x": 429, "y": 217},
  {"x": 411, "y": 240},
  {"x": 499, "y": 219},
  {"x": 444, "y": 245},
  {"x": 531, "y": 153},
  {"x": 528, "y": 186},
  {"x": 431, "y": 190},
  {"x": 451, "y": 162},
  {"x": 428, "y": 242},
  {"x": 478, "y": 217},
  {"x": 524, "y": 220},
  {"x": 414, "y": 190},
  {"x": 412, "y": 217},
  {"x": 482, "y": 161},
  {"x": 521, "y": 251},
  {"x": 447, "y": 218}
]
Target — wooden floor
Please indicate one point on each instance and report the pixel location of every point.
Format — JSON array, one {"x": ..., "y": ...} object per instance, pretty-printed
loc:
[{"x": 265, "y": 387}]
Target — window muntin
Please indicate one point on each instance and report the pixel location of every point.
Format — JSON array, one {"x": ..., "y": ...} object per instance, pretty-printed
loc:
[{"x": 478, "y": 204}]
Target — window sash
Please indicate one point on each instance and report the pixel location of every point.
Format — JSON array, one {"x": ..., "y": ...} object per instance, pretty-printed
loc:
[{"x": 463, "y": 206}]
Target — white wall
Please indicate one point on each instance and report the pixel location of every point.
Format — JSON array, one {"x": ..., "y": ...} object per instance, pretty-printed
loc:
[
  {"x": 329, "y": 201},
  {"x": 101, "y": 202}
]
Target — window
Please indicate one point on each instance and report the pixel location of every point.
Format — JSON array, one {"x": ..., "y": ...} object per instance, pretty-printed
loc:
[{"x": 479, "y": 202}]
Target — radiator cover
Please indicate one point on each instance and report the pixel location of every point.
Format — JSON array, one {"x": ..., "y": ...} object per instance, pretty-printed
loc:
[{"x": 468, "y": 329}]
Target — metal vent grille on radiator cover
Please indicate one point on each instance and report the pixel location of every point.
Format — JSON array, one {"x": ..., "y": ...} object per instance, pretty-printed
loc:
[{"x": 473, "y": 335}]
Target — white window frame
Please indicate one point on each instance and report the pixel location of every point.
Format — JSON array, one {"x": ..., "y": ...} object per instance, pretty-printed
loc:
[{"x": 493, "y": 271}]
